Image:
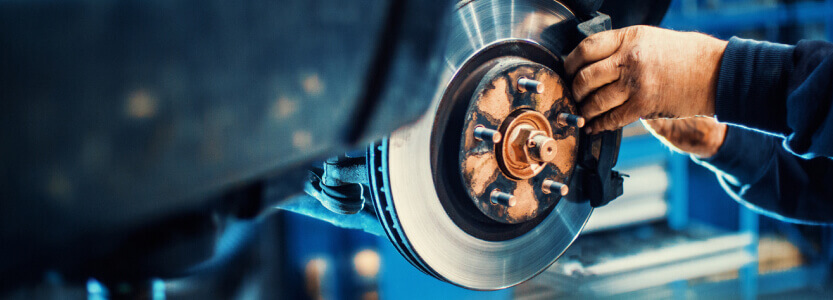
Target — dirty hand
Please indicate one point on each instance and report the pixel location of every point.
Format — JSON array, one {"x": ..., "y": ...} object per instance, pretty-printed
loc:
[
  {"x": 701, "y": 136},
  {"x": 646, "y": 72}
]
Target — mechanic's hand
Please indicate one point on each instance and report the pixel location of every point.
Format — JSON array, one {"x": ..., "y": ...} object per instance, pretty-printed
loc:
[
  {"x": 646, "y": 72},
  {"x": 701, "y": 136}
]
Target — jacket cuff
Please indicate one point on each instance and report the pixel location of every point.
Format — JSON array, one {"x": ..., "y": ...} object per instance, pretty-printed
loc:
[
  {"x": 752, "y": 85},
  {"x": 745, "y": 155}
]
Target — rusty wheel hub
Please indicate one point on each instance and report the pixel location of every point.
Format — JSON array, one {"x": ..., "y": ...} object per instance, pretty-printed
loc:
[{"x": 519, "y": 141}]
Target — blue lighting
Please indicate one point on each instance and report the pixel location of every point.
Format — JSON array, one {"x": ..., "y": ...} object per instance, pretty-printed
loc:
[
  {"x": 158, "y": 289},
  {"x": 95, "y": 291}
]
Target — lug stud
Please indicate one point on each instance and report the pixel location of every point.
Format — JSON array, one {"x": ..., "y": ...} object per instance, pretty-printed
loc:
[
  {"x": 551, "y": 186},
  {"x": 565, "y": 119},
  {"x": 485, "y": 134},
  {"x": 502, "y": 198},
  {"x": 534, "y": 86}
]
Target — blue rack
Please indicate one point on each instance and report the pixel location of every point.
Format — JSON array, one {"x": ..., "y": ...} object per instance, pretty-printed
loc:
[{"x": 730, "y": 17}]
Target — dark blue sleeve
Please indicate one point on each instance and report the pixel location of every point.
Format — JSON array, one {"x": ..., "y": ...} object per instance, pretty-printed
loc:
[
  {"x": 759, "y": 173},
  {"x": 785, "y": 91}
]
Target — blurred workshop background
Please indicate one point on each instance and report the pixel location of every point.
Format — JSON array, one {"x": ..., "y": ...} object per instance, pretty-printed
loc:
[{"x": 674, "y": 234}]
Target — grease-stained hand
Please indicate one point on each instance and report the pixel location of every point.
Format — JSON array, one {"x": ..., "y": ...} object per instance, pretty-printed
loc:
[
  {"x": 646, "y": 72},
  {"x": 701, "y": 136}
]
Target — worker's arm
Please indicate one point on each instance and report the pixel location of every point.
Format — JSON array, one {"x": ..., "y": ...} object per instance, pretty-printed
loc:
[
  {"x": 782, "y": 90},
  {"x": 758, "y": 172},
  {"x": 646, "y": 72},
  {"x": 754, "y": 169}
]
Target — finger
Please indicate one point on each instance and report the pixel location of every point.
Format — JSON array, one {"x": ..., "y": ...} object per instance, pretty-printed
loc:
[
  {"x": 605, "y": 99},
  {"x": 595, "y": 76},
  {"x": 594, "y": 48},
  {"x": 615, "y": 118}
]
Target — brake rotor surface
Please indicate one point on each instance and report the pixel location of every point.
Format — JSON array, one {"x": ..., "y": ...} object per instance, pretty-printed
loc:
[{"x": 443, "y": 221}]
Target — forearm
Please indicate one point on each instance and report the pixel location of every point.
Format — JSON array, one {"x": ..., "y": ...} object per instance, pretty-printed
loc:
[
  {"x": 781, "y": 90},
  {"x": 755, "y": 170}
]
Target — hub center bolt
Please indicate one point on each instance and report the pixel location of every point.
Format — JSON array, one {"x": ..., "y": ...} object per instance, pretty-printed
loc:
[{"x": 541, "y": 148}]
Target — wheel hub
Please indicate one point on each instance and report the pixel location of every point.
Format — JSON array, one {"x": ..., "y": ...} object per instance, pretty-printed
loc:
[{"x": 515, "y": 152}]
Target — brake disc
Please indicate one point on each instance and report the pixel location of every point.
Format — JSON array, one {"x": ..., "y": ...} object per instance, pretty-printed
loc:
[{"x": 475, "y": 193}]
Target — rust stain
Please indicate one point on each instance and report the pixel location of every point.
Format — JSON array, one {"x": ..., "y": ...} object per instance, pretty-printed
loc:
[
  {"x": 553, "y": 90},
  {"x": 527, "y": 206},
  {"x": 484, "y": 206},
  {"x": 482, "y": 169},
  {"x": 468, "y": 136},
  {"x": 494, "y": 101},
  {"x": 522, "y": 71},
  {"x": 566, "y": 156}
]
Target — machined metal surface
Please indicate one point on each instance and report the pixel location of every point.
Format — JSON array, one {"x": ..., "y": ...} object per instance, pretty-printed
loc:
[{"x": 423, "y": 216}]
